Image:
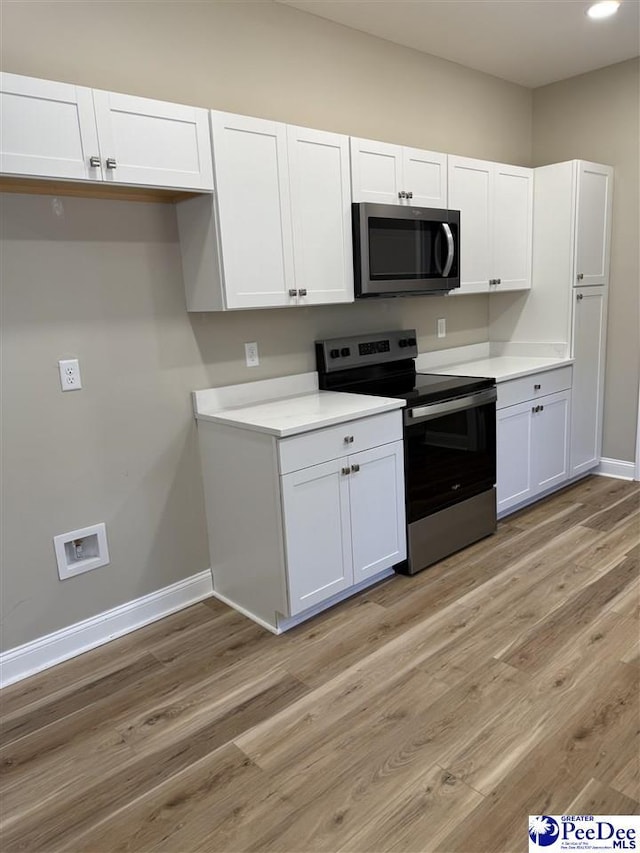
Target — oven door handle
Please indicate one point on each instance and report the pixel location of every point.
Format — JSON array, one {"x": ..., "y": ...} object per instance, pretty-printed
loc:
[
  {"x": 435, "y": 410},
  {"x": 450, "y": 250}
]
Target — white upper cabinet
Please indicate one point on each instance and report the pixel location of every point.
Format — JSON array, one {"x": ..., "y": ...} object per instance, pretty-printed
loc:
[
  {"x": 593, "y": 225},
  {"x": 470, "y": 193},
  {"x": 496, "y": 224},
  {"x": 320, "y": 216},
  {"x": 392, "y": 174},
  {"x": 153, "y": 143},
  {"x": 279, "y": 231},
  {"x": 512, "y": 227},
  {"x": 254, "y": 209},
  {"x": 59, "y": 131},
  {"x": 47, "y": 129}
]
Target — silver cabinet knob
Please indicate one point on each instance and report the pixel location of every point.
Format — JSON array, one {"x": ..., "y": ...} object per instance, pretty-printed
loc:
[
  {"x": 498, "y": 281},
  {"x": 355, "y": 468},
  {"x": 537, "y": 387},
  {"x": 580, "y": 297},
  {"x": 94, "y": 162},
  {"x": 580, "y": 276},
  {"x": 402, "y": 194},
  {"x": 293, "y": 292},
  {"x": 302, "y": 291},
  {"x": 542, "y": 408},
  {"x": 348, "y": 439},
  {"x": 409, "y": 195},
  {"x": 111, "y": 163},
  {"x": 346, "y": 471}
]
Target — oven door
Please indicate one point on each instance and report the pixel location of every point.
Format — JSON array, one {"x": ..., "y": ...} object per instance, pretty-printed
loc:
[{"x": 450, "y": 452}]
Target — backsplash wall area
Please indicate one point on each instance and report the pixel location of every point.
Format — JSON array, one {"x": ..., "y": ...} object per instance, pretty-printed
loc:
[{"x": 101, "y": 280}]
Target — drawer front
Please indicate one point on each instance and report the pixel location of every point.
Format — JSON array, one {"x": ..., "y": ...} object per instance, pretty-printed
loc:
[
  {"x": 516, "y": 391},
  {"x": 322, "y": 445}
]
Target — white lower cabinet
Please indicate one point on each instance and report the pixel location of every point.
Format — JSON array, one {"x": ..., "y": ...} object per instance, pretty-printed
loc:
[
  {"x": 343, "y": 523},
  {"x": 532, "y": 438},
  {"x": 298, "y": 521}
]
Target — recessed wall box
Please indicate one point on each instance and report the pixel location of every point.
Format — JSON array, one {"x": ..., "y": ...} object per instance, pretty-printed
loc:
[{"x": 81, "y": 550}]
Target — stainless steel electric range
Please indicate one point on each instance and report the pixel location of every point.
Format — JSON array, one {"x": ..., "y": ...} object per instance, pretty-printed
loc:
[{"x": 449, "y": 438}]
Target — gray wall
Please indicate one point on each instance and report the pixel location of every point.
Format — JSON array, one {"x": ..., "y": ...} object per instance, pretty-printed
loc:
[
  {"x": 101, "y": 280},
  {"x": 596, "y": 117}
]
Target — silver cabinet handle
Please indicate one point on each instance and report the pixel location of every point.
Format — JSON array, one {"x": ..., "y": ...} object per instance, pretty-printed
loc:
[
  {"x": 542, "y": 408},
  {"x": 346, "y": 471},
  {"x": 402, "y": 194},
  {"x": 580, "y": 297},
  {"x": 537, "y": 387},
  {"x": 348, "y": 439},
  {"x": 451, "y": 251},
  {"x": 111, "y": 163},
  {"x": 409, "y": 195},
  {"x": 302, "y": 291},
  {"x": 355, "y": 468},
  {"x": 580, "y": 276},
  {"x": 94, "y": 162},
  {"x": 498, "y": 281},
  {"x": 293, "y": 292}
]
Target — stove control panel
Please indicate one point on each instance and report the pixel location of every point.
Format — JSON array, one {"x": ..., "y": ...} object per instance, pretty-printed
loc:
[{"x": 362, "y": 350}]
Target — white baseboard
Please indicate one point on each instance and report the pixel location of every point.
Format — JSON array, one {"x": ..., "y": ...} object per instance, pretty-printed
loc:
[
  {"x": 616, "y": 468},
  {"x": 47, "y": 651}
]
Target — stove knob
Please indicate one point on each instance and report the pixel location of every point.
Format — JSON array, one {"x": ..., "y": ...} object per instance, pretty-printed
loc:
[
  {"x": 403, "y": 343},
  {"x": 345, "y": 351},
  {"x": 334, "y": 353},
  {"x": 412, "y": 342}
]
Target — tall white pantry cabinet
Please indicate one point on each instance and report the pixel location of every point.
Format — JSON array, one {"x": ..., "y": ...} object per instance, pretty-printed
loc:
[{"x": 575, "y": 198}]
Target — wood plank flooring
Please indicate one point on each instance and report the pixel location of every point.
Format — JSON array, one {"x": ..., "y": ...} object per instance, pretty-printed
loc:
[{"x": 432, "y": 713}]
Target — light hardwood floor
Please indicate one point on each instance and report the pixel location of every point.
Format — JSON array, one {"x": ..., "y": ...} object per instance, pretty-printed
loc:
[{"x": 432, "y": 713}]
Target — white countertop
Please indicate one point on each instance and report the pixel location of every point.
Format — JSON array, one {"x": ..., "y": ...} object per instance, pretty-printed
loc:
[
  {"x": 503, "y": 367},
  {"x": 301, "y": 413}
]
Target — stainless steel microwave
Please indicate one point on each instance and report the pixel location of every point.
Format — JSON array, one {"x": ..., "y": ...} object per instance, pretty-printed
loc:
[{"x": 405, "y": 251}]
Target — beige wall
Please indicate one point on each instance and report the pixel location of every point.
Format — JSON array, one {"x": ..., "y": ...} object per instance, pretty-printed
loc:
[
  {"x": 596, "y": 117},
  {"x": 101, "y": 280}
]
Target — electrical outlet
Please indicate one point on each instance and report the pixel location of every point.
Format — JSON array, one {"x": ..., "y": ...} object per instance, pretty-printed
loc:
[
  {"x": 251, "y": 354},
  {"x": 442, "y": 328},
  {"x": 70, "y": 379}
]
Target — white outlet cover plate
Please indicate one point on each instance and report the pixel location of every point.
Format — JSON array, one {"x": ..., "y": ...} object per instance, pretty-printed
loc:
[
  {"x": 70, "y": 378},
  {"x": 251, "y": 354}
]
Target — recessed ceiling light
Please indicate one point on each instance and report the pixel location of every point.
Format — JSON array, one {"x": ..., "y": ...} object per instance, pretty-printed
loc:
[{"x": 603, "y": 9}]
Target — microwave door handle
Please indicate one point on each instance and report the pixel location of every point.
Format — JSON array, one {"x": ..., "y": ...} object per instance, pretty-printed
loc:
[{"x": 450, "y": 250}]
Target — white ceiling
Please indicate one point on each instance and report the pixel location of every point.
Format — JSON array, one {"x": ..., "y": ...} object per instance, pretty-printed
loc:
[{"x": 530, "y": 42}]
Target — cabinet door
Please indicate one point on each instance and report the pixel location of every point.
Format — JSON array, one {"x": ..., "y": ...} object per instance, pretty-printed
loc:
[
  {"x": 251, "y": 177},
  {"x": 321, "y": 215},
  {"x": 378, "y": 530},
  {"x": 47, "y": 129},
  {"x": 317, "y": 533},
  {"x": 589, "y": 343},
  {"x": 593, "y": 226},
  {"x": 513, "y": 438},
  {"x": 376, "y": 171},
  {"x": 512, "y": 227},
  {"x": 550, "y": 441},
  {"x": 425, "y": 176},
  {"x": 470, "y": 193},
  {"x": 153, "y": 143}
]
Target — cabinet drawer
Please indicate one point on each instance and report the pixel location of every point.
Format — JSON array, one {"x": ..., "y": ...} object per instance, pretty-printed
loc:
[
  {"x": 530, "y": 387},
  {"x": 322, "y": 445}
]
